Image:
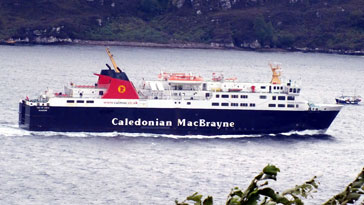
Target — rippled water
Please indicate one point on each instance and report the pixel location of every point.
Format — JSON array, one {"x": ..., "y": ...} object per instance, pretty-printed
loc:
[{"x": 121, "y": 168}]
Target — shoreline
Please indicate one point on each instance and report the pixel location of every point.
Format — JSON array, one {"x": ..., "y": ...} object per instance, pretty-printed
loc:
[{"x": 190, "y": 45}]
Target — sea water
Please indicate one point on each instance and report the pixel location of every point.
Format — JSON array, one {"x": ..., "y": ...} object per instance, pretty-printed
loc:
[{"x": 122, "y": 168}]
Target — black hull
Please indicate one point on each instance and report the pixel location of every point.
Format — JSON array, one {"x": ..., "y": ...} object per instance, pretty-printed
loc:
[
  {"x": 347, "y": 102},
  {"x": 170, "y": 120}
]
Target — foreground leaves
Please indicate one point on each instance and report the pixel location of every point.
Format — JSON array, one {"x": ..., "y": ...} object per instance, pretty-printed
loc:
[
  {"x": 351, "y": 194},
  {"x": 196, "y": 199},
  {"x": 258, "y": 192},
  {"x": 259, "y": 189}
]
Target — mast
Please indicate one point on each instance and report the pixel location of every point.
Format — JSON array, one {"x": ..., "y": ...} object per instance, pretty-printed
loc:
[
  {"x": 275, "y": 74},
  {"x": 112, "y": 60}
]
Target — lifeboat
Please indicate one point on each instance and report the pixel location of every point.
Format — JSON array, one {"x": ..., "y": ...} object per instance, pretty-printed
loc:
[
  {"x": 232, "y": 79},
  {"x": 180, "y": 77},
  {"x": 217, "y": 77},
  {"x": 234, "y": 89}
]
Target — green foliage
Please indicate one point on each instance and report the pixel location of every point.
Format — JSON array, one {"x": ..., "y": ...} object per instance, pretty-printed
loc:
[
  {"x": 264, "y": 31},
  {"x": 285, "y": 40},
  {"x": 271, "y": 170},
  {"x": 182, "y": 29},
  {"x": 258, "y": 192},
  {"x": 127, "y": 29},
  {"x": 335, "y": 25},
  {"x": 259, "y": 188},
  {"x": 153, "y": 7},
  {"x": 196, "y": 199},
  {"x": 352, "y": 192}
]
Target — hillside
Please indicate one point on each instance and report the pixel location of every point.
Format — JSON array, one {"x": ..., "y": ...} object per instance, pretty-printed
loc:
[{"x": 312, "y": 25}]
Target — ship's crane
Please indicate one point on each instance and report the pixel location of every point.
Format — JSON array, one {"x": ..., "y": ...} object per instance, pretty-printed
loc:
[{"x": 117, "y": 69}]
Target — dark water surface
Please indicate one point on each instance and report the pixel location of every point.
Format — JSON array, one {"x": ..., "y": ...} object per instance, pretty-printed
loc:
[{"x": 121, "y": 168}]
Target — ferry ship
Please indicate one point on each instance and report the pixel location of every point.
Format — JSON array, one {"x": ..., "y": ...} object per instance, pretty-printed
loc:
[{"x": 176, "y": 103}]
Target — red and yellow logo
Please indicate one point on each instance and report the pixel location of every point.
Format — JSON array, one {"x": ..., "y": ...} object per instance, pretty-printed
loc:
[{"x": 121, "y": 89}]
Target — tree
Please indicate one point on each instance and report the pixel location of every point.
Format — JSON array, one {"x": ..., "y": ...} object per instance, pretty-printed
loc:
[
  {"x": 153, "y": 7},
  {"x": 264, "y": 31}
]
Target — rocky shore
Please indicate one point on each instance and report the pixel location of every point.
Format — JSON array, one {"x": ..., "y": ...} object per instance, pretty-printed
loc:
[
  {"x": 248, "y": 46},
  {"x": 260, "y": 25}
]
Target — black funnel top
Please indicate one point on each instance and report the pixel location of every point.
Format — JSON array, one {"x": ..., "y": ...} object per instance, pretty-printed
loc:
[{"x": 113, "y": 74}]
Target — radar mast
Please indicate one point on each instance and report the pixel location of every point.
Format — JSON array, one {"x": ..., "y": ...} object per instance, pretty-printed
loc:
[{"x": 276, "y": 73}]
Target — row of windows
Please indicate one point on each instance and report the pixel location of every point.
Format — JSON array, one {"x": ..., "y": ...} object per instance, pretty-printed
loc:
[
  {"x": 234, "y": 104},
  {"x": 279, "y": 97},
  {"x": 80, "y": 101},
  {"x": 277, "y": 87},
  {"x": 274, "y": 87},
  {"x": 282, "y": 105},
  {"x": 294, "y": 90},
  {"x": 261, "y": 97},
  {"x": 283, "y": 98},
  {"x": 252, "y": 105},
  {"x": 232, "y": 96}
]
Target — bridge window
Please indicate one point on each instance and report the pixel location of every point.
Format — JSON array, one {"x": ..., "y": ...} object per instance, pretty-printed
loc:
[{"x": 204, "y": 86}]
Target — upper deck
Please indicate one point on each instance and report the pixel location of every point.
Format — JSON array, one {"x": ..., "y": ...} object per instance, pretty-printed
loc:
[{"x": 179, "y": 90}]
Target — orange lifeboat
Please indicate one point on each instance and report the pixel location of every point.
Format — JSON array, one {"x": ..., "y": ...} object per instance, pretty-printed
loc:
[
  {"x": 163, "y": 76},
  {"x": 180, "y": 77},
  {"x": 232, "y": 79}
]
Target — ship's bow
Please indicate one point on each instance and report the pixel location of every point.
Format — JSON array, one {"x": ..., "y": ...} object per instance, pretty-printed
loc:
[{"x": 322, "y": 115}]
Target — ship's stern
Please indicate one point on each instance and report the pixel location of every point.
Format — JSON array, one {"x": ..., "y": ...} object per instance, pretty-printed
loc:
[
  {"x": 34, "y": 115},
  {"x": 22, "y": 108}
]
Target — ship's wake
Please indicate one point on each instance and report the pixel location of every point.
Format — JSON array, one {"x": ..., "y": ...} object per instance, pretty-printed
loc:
[{"x": 12, "y": 130}]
